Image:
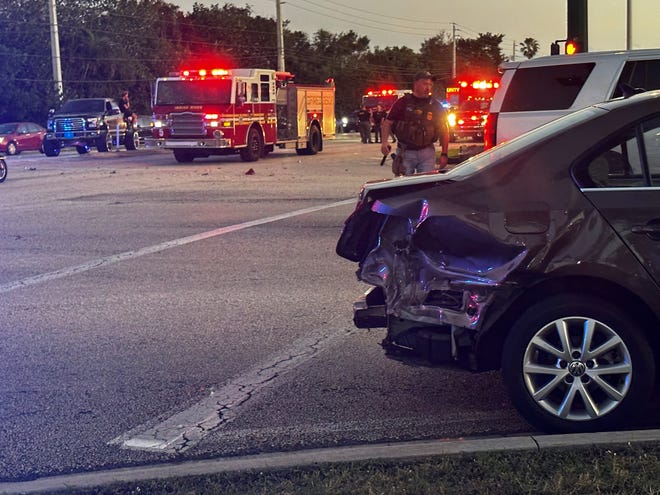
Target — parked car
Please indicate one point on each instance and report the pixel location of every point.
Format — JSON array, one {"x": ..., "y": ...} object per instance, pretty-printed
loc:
[
  {"x": 144, "y": 127},
  {"x": 86, "y": 123},
  {"x": 540, "y": 256},
  {"x": 348, "y": 124},
  {"x": 535, "y": 91},
  {"x": 21, "y": 136}
]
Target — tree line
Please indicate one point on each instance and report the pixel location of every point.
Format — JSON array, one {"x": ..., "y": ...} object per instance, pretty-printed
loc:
[{"x": 107, "y": 46}]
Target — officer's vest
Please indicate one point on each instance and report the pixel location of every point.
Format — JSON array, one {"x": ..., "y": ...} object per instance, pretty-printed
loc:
[{"x": 417, "y": 130}]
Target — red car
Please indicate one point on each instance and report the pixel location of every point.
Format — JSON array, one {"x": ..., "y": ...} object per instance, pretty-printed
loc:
[{"x": 21, "y": 136}]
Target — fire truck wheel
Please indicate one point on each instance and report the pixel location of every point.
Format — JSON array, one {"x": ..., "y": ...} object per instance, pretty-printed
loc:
[
  {"x": 254, "y": 148},
  {"x": 183, "y": 156},
  {"x": 315, "y": 142},
  {"x": 267, "y": 149}
]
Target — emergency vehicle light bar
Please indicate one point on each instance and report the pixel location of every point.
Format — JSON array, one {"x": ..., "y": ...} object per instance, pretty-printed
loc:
[
  {"x": 203, "y": 72},
  {"x": 383, "y": 92},
  {"x": 480, "y": 84}
]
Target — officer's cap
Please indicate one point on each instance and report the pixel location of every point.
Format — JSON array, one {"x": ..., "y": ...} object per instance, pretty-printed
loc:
[{"x": 424, "y": 75}]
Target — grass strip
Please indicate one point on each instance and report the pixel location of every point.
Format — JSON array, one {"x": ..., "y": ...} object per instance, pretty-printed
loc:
[{"x": 628, "y": 469}]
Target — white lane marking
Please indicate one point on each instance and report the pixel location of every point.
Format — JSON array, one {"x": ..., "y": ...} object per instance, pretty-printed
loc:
[
  {"x": 186, "y": 429},
  {"x": 108, "y": 260}
]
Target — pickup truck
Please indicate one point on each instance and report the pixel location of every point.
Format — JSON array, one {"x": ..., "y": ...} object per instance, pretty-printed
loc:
[{"x": 86, "y": 123}]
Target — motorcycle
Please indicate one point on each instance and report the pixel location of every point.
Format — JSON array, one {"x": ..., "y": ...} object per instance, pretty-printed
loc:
[{"x": 3, "y": 169}]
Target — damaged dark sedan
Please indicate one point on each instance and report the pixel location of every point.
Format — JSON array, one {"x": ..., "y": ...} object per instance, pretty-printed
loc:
[{"x": 540, "y": 256}]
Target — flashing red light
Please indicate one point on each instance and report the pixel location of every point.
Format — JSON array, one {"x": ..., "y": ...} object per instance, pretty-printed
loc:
[
  {"x": 204, "y": 72},
  {"x": 477, "y": 84},
  {"x": 381, "y": 92}
]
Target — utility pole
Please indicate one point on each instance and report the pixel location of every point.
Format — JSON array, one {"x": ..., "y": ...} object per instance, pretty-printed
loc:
[
  {"x": 577, "y": 26},
  {"x": 629, "y": 25},
  {"x": 55, "y": 49},
  {"x": 280, "y": 37},
  {"x": 453, "y": 54}
]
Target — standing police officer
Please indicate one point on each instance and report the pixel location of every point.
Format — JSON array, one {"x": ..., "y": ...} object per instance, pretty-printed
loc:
[
  {"x": 364, "y": 123},
  {"x": 417, "y": 121}
]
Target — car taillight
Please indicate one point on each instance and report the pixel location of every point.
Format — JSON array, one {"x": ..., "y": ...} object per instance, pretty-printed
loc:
[{"x": 490, "y": 131}]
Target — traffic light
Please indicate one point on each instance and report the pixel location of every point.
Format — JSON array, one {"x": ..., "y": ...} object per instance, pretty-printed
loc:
[
  {"x": 554, "y": 48},
  {"x": 572, "y": 47}
]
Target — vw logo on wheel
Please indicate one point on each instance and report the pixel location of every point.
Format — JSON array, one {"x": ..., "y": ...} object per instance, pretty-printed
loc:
[{"x": 577, "y": 368}]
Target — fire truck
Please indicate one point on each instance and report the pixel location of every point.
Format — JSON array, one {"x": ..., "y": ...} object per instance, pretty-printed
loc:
[
  {"x": 469, "y": 102},
  {"x": 383, "y": 97},
  {"x": 203, "y": 112}
]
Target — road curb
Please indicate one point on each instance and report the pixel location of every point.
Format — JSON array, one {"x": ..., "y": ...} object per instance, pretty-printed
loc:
[{"x": 281, "y": 460}]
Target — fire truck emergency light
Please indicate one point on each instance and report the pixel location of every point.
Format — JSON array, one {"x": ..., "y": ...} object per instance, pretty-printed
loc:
[
  {"x": 204, "y": 72},
  {"x": 383, "y": 92}
]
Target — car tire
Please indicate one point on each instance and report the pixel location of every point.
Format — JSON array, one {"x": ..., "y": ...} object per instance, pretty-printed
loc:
[
  {"x": 104, "y": 142},
  {"x": 559, "y": 387},
  {"x": 51, "y": 148},
  {"x": 132, "y": 140},
  {"x": 3, "y": 170},
  {"x": 254, "y": 146},
  {"x": 12, "y": 149},
  {"x": 82, "y": 150}
]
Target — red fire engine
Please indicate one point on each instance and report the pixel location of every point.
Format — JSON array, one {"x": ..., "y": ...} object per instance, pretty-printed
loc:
[
  {"x": 469, "y": 102},
  {"x": 383, "y": 97},
  {"x": 204, "y": 112}
]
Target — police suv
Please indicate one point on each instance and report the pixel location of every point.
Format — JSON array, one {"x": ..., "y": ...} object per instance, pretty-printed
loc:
[{"x": 533, "y": 92}]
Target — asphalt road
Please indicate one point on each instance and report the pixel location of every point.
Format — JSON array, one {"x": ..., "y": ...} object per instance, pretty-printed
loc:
[{"x": 155, "y": 311}]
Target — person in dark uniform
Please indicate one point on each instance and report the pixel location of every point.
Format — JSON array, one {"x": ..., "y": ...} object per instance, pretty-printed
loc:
[
  {"x": 417, "y": 121},
  {"x": 377, "y": 116},
  {"x": 364, "y": 124}
]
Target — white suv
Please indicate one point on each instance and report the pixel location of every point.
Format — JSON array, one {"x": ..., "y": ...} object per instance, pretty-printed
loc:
[{"x": 536, "y": 91}]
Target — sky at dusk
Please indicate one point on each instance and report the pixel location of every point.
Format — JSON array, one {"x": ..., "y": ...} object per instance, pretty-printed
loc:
[{"x": 409, "y": 22}]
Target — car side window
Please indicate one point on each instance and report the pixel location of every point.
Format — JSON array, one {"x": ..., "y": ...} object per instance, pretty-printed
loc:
[
  {"x": 617, "y": 164},
  {"x": 620, "y": 163},
  {"x": 554, "y": 87},
  {"x": 640, "y": 74},
  {"x": 651, "y": 133}
]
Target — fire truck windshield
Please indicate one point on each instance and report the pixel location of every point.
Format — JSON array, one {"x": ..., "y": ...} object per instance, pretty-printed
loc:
[{"x": 193, "y": 92}]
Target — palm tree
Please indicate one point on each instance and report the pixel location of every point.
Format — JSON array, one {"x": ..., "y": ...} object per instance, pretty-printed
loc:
[{"x": 529, "y": 47}]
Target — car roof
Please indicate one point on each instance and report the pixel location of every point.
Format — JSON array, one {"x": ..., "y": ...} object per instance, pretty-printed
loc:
[{"x": 648, "y": 53}]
